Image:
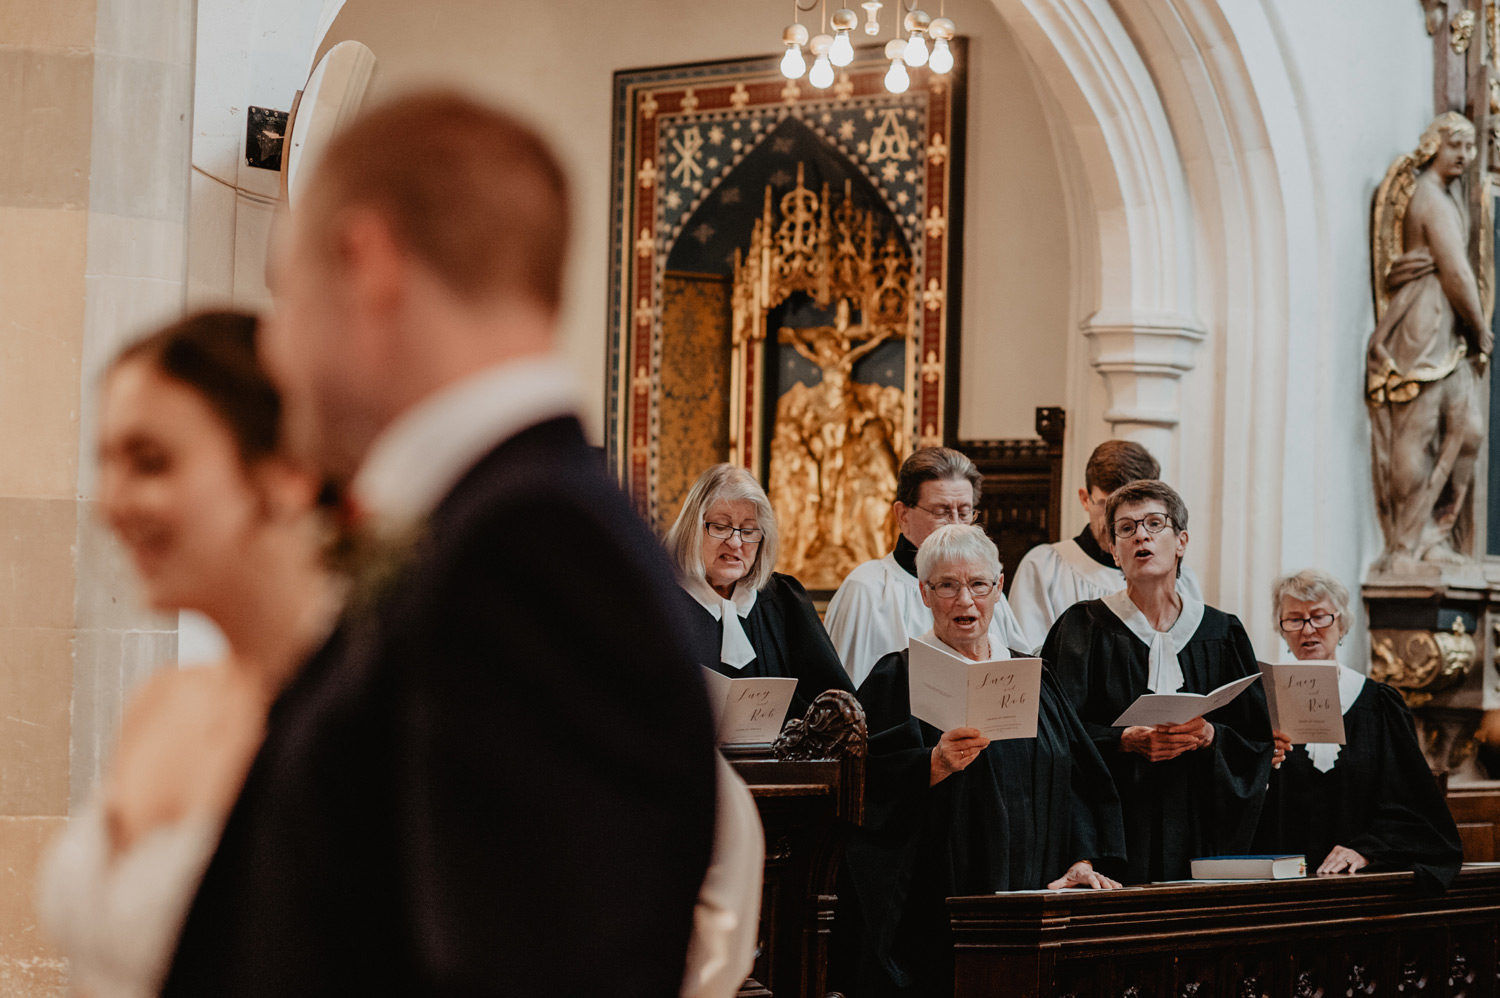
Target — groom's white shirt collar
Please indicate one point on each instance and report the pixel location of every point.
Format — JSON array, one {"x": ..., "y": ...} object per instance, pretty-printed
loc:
[{"x": 423, "y": 453}]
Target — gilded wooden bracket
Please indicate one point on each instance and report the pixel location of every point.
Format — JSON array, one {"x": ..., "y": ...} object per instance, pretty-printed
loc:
[{"x": 1421, "y": 663}]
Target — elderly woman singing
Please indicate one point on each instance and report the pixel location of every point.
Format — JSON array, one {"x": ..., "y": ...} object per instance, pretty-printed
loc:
[
  {"x": 747, "y": 619},
  {"x": 1187, "y": 790},
  {"x": 1371, "y": 802},
  {"x": 952, "y": 813}
]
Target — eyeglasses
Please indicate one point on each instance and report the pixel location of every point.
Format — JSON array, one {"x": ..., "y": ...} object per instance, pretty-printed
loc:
[
  {"x": 1296, "y": 625},
  {"x": 1152, "y": 523},
  {"x": 957, "y": 514},
  {"x": 723, "y": 531},
  {"x": 950, "y": 590}
]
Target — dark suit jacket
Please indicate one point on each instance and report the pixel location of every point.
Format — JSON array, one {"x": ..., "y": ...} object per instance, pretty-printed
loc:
[{"x": 500, "y": 781}]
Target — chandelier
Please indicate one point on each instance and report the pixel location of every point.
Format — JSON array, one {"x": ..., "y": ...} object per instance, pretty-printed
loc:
[{"x": 837, "y": 49}]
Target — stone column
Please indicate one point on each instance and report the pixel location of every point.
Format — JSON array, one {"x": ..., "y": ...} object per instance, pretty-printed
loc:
[{"x": 91, "y": 244}]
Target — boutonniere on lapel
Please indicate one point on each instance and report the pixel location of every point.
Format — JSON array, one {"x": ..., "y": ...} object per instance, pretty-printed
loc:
[{"x": 372, "y": 559}]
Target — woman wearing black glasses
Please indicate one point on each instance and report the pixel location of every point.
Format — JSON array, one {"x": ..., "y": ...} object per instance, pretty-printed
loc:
[
  {"x": 1187, "y": 790},
  {"x": 1370, "y": 803},
  {"x": 748, "y": 620}
]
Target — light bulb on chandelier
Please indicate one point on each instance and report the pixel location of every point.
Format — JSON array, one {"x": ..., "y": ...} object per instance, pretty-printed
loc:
[
  {"x": 822, "y": 71},
  {"x": 917, "y": 22},
  {"x": 842, "y": 53},
  {"x": 897, "y": 80},
  {"x": 872, "y": 16},
  {"x": 941, "y": 30},
  {"x": 792, "y": 64}
]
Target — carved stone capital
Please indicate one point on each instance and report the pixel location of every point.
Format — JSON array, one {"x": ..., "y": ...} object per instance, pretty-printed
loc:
[{"x": 1142, "y": 359}]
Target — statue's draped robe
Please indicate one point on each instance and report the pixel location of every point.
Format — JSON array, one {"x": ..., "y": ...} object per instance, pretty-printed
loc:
[
  {"x": 1416, "y": 347},
  {"x": 1204, "y": 802}
]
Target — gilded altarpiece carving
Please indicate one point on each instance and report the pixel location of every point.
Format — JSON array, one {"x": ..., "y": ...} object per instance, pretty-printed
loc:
[{"x": 783, "y": 292}]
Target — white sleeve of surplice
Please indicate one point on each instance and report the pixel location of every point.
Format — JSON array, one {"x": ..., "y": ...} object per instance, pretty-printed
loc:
[
  {"x": 726, "y": 917},
  {"x": 860, "y": 621},
  {"x": 1030, "y": 596}
]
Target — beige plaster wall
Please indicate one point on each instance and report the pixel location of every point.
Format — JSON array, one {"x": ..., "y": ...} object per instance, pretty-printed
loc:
[{"x": 555, "y": 63}]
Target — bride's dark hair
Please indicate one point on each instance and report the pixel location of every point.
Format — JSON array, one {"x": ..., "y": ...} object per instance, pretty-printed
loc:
[{"x": 213, "y": 353}]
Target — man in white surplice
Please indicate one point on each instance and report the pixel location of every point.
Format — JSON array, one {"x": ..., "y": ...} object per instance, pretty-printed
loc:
[
  {"x": 1052, "y": 577},
  {"x": 878, "y": 609}
]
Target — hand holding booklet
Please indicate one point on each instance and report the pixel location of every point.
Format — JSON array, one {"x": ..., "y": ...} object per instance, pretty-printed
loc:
[
  {"x": 999, "y": 697},
  {"x": 1304, "y": 701},
  {"x": 1151, "y": 709},
  {"x": 748, "y": 711}
]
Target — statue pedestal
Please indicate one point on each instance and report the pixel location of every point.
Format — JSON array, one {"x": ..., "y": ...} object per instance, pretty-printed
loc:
[{"x": 1433, "y": 638}]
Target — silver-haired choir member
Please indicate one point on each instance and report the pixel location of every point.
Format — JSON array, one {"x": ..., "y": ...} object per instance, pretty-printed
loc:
[
  {"x": 1371, "y": 803},
  {"x": 950, "y": 812}
]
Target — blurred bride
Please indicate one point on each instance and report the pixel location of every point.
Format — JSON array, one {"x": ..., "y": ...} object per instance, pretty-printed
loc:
[{"x": 215, "y": 519}]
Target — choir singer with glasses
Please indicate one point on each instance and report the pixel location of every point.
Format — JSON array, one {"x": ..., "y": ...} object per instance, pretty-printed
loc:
[
  {"x": 878, "y": 609},
  {"x": 1187, "y": 790},
  {"x": 1371, "y": 802},
  {"x": 747, "y": 619},
  {"x": 952, "y": 813}
]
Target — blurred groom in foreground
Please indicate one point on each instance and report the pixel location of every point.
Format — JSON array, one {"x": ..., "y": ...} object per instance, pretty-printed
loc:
[{"x": 498, "y": 775}]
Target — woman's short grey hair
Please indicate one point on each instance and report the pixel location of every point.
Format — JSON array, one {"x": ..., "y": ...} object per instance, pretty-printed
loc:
[
  {"x": 954, "y": 543},
  {"x": 1310, "y": 586},
  {"x": 721, "y": 483}
]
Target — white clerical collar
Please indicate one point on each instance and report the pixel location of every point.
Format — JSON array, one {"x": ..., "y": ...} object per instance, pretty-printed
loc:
[
  {"x": 1165, "y": 672},
  {"x": 735, "y": 648},
  {"x": 1325, "y": 755},
  {"x": 420, "y": 456},
  {"x": 997, "y": 654}
]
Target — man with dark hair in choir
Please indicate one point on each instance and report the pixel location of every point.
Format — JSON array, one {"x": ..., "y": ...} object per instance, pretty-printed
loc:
[
  {"x": 1187, "y": 790},
  {"x": 1052, "y": 577},
  {"x": 952, "y": 813},
  {"x": 878, "y": 608},
  {"x": 1372, "y": 802},
  {"x": 501, "y": 779}
]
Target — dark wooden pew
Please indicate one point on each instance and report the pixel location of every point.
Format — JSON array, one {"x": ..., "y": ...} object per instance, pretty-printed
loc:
[{"x": 1369, "y": 934}]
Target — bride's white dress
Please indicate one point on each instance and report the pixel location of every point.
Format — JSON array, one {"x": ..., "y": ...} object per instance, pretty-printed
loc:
[{"x": 118, "y": 917}]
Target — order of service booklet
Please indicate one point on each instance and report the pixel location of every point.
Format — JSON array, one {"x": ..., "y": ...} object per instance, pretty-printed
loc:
[
  {"x": 1304, "y": 700},
  {"x": 1174, "y": 708},
  {"x": 748, "y": 711},
  {"x": 999, "y": 697}
]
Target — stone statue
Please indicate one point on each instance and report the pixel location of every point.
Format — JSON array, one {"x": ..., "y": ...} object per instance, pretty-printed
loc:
[{"x": 1425, "y": 359}]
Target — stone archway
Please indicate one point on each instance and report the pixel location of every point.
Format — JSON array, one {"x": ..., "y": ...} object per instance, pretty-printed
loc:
[{"x": 1188, "y": 159}]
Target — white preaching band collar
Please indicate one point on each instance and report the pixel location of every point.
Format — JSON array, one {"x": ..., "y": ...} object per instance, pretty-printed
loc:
[
  {"x": 1164, "y": 673},
  {"x": 1000, "y": 654},
  {"x": 1325, "y": 755},
  {"x": 423, "y": 453},
  {"x": 735, "y": 649}
]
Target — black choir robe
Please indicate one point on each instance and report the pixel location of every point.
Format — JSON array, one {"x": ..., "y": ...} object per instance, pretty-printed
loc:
[
  {"x": 1203, "y": 803},
  {"x": 788, "y": 638},
  {"x": 1014, "y": 819},
  {"x": 1379, "y": 799}
]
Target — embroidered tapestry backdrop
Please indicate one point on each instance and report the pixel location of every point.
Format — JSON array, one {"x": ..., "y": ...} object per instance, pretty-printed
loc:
[{"x": 784, "y": 291}]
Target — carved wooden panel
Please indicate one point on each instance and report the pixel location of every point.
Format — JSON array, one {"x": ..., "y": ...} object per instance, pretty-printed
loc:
[{"x": 1020, "y": 504}]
